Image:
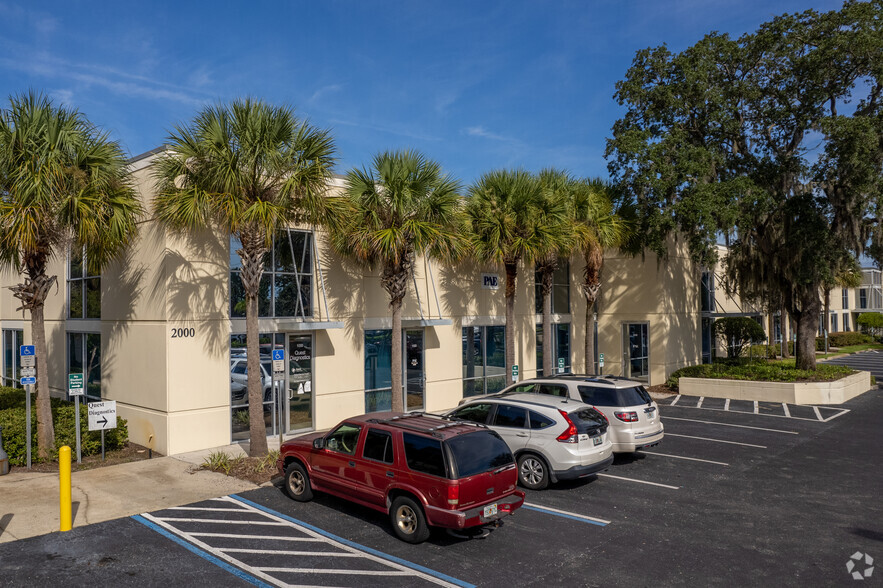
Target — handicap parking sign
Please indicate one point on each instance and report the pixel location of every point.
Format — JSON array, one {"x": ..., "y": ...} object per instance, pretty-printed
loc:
[
  {"x": 278, "y": 355},
  {"x": 27, "y": 350}
]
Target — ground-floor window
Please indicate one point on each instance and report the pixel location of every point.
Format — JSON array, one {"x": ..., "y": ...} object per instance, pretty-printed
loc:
[
  {"x": 12, "y": 340},
  {"x": 707, "y": 340},
  {"x": 378, "y": 369},
  {"x": 239, "y": 383},
  {"x": 560, "y": 348},
  {"x": 84, "y": 357},
  {"x": 636, "y": 351},
  {"x": 833, "y": 323},
  {"x": 484, "y": 360},
  {"x": 846, "y": 321}
]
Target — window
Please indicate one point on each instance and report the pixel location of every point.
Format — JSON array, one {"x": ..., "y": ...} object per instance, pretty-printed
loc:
[
  {"x": 484, "y": 360},
  {"x": 84, "y": 357},
  {"x": 378, "y": 370},
  {"x": 560, "y": 347},
  {"x": 597, "y": 396},
  {"x": 424, "y": 455},
  {"x": 636, "y": 351},
  {"x": 239, "y": 422},
  {"x": 560, "y": 289},
  {"x": 83, "y": 286},
  {"x": 12, "y": 340},
  {"x": 378, "y": 446},
  {"x": 475, "y": 413},
  {"x": 845, "y": 298},
  {"x": 478, "y": 452},
  {"x": 706, "y": 292},
  {"x": 845, "y": 321},
  {"x": 863, "y": 298},
  {"x": 344, "y": 439},
  {"x": 524, "y": 389},
  {"x": 833, "y": 323},
  {"x": 553, "y": 390},
  {"x": 287, "y": 281},
  {"x": 510, "y": 416},
  {"x": 538, "y": 421}
]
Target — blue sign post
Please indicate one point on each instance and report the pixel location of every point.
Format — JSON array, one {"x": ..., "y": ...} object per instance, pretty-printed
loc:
[
  {"x": 28, "y": 354},
  {"x": 278, "y": 382}
]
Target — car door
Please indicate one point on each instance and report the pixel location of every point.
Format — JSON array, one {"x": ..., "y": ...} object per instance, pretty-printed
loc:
[
  {"x": 375, "y": 471},
  {"x": 332, "y": 464},
  {"x": 510, "y": 422}
]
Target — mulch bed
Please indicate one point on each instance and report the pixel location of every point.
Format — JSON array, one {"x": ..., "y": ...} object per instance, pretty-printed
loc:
[
  {"x": 132, "y": 452},
  {"x": 251, "y": 469}
]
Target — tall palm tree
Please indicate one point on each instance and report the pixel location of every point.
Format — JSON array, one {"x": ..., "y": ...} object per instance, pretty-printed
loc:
[
  {"x": 556, "y": 186},
  {"x": 401, "y": 207},
  {"x": 506, "y": 224},
  {"x": 63, "y": 184},
  {"x": 247, "y": 169},
  {"x": 596, "y": 227}
]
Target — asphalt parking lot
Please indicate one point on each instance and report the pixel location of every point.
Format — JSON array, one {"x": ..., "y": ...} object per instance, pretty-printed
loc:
[{"x": 735, "y": 495}]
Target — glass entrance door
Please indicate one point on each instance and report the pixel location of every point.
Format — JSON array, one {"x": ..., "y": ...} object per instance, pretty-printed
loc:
[
  {"x": 300, "y": 382},
  {"x": 415, "y": 376},
  {"x": 636, "y": 351}
]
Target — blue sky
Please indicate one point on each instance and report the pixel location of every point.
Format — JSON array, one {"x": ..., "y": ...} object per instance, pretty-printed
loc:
[{"x": 474, "y": 85}]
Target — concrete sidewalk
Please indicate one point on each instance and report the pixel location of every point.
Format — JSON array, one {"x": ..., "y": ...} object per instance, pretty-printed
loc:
[{"x": 29, "y": 502}]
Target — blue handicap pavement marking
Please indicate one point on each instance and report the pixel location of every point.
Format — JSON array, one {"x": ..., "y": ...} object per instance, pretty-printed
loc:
[
  {"x": 278, "y": 354},
  {"x": 27, "y": 350}
]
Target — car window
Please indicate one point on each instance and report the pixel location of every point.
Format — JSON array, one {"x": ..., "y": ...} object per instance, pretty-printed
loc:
[
  {"x": 239, "y": 367},
  {"x": 478, "y": 452},
  {"x": 588, "y": 420},
  {"x": 424, "y": 454},
  {"x": 268, "y": 367},
  {"x": 523, "y": 389},
  {"x": 476, "y": 413},
  {"x": 510, "y": 416},
  {"x": 614, "y": 397},
  {"x": 344, "y": 439},
  {"x": 538, "y": 421},
  {"x": 378, "y": 446},
  {"x": 553, "y": 390}
]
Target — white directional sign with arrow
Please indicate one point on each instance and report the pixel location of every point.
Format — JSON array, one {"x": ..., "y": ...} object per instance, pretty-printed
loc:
[{"x": 102, "y": 415}]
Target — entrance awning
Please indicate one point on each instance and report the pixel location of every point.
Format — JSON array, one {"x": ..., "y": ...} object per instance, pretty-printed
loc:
[{"x": 413, "y": 323}]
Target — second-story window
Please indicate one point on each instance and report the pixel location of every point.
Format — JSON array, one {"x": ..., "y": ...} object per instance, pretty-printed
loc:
[
  {"x": 863, "y": 298},
  {"x": 845, "y": 298},
  {"x": 560, "y": 289},
  {"x": 83, "y": 286},
  {"x": 286, "y": 288}
]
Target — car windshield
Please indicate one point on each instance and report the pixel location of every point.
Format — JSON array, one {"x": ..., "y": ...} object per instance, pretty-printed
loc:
[
  {"x": 597, "y": 396},
  {"x": 478, "y": 452}
]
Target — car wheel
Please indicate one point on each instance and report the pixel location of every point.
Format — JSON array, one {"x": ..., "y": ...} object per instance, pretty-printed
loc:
[
  {"x": 532, "y": 472},
  {"x": 297, "y": 482},
  {"x": 408, "y": 521}
]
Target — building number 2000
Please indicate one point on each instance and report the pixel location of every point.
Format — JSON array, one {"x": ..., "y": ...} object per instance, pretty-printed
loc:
[{"x": 177, "y": 333}]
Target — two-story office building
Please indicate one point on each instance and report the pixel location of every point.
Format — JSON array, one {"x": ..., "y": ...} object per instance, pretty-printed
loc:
[{"x": 162, "y": 331}]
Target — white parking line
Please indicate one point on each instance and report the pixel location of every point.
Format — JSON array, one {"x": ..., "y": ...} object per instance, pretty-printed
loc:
[
  {"x": 675, "y": 401},
  {"x": 701, "y": 399},
  {"x": 727, "y": 404},
  {"x": 731, "y": 425},
  {"x": 755, "y": 407},
  {"x": 716, "y": 440},
  {"x": 842, "y": 412},
  {"x": 566, "y": 513},
  {"x": 639, "y": 481},
  {"x": 682, "y": 457},
  {"x": 210, "y": 509},
  {"x": 347, "y": 572},
  {"x": 288, "y": 552},
  {"x": 220, "y": 521},
  {"x": 818, "y": 414},
  {"x": 246, "y": 536},
  {"x": 785, "y": 409}
]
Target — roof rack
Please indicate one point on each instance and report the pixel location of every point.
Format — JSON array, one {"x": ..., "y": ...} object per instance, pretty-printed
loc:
[{"x": 434, "y": 431}]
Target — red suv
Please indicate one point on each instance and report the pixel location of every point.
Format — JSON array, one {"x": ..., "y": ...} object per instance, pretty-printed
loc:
[{"x": 424, "y": 471}]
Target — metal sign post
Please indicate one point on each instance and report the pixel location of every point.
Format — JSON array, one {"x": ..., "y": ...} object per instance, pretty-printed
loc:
[
  {"x": 75, "y": 389},
  {"x": 278, "y": 386},
  {"x": 28, "y": 360}
]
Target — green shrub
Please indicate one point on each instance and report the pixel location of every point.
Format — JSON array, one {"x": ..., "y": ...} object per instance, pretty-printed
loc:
[
  {"x": 843, "y": 339},
  {"x": 762, "y": 370},
  {"x": 737, "y": 333},
  {"x": 12, "y": 419},
  {"x": 762, "y": 351}
]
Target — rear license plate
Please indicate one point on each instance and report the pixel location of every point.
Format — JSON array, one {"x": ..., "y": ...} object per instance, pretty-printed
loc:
[
  {"x": 596, "y": 440},
  {"x": 490, "y": 510}
]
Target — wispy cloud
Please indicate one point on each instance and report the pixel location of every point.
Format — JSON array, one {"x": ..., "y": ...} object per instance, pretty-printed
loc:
[
  {"x": 385, "y": 129},
  {"x": 480, "y": 131},
  {"x": 324, "y": 91}
]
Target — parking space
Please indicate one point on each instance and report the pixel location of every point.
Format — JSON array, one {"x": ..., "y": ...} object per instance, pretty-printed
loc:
[{"x": 774, "y": 409}]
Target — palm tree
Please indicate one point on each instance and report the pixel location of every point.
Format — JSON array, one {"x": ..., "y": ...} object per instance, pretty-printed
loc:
[
  {"x": 402, "y": 207},
  {"x": 247, "y": 169},
  {"x": 596, "y": 227},
  {"x": 556, "y": 187},
  {"x": 506, "y": 223},
  {"x": 63, "y": 184}
]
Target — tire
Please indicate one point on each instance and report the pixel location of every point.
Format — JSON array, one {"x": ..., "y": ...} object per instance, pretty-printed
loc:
[
  {"x": 297, "y": 483},
  {"x": 408, "y": 520},
  {"x": 533, "y": 472}
]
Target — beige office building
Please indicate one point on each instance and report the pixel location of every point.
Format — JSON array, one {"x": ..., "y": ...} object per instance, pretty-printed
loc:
[{"x": 162, "y": 331}]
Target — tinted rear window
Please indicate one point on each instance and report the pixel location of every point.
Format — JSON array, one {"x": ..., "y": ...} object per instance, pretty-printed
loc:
[
  {"x": 424, "y": 454},
  {"x": 478, "y": 452},
  {"x": 510, "y": 416},
  {"x": 612, "y": 397},
  {"x": 588, "y": 420}
]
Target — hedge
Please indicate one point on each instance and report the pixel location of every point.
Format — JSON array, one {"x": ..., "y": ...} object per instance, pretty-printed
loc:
[
  {"x": 12, "y": 419},
  {"x": 771, "y": 352},
  {"x": 761, "y": 370},
  {"x": 843, "y": 339}
]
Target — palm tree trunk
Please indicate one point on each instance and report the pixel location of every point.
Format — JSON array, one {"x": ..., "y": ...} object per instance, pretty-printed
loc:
[
  {"x": 590, "y": 337},
  {"x": 252, "y": 255},
  {"x": 548, "y": 352},
  {"x": 591, "y": 286},
  {"x": 398, "y": 402},
  {"x": 45, "y": 428},
  {"x": 511, "y": 274}
]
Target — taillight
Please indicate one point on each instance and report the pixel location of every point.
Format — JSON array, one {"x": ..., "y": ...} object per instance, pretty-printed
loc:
[
  {"x": 454, "y": 494},
  {"x": 570, "y": 435},
  {"x": 627, "y": 417}
]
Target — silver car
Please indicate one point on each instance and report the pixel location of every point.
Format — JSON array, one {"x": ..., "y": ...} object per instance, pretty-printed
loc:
[
  {"x": 552, "y": 438},
  {"x": 634, "y": 416}
]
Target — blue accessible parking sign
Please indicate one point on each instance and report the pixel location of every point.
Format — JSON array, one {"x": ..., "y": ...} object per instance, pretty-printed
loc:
[{"x": 27, "y": 350}]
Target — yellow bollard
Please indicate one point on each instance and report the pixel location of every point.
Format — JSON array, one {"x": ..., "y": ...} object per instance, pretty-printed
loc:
[{"x": 64, "y": 482}]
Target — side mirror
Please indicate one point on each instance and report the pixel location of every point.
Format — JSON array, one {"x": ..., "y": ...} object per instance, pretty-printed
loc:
[{"x": 319, "y": 443}]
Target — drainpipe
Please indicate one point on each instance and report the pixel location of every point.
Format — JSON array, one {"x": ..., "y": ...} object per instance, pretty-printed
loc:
[{"x": 4, "y": 458}]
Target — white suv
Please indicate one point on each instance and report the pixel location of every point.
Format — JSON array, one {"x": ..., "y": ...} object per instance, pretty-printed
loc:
[
  {"x": 552, "y": 438},
  {"x": 634, "y": 416}
]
